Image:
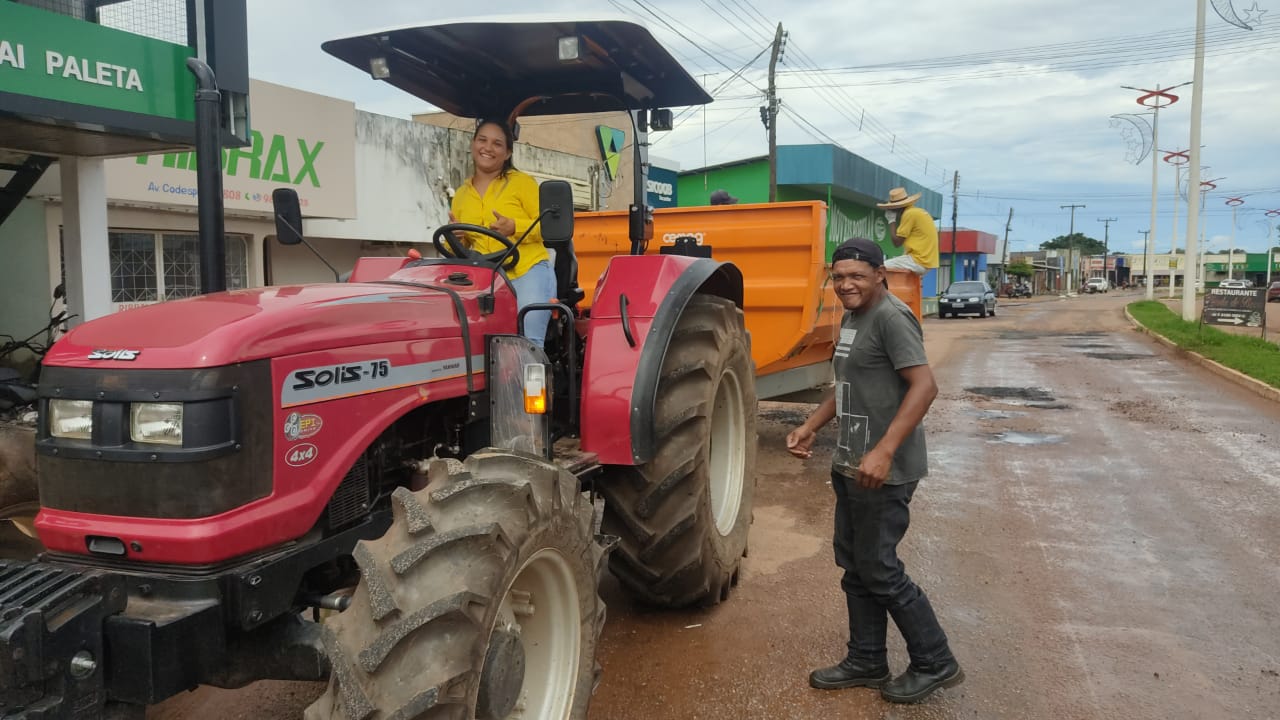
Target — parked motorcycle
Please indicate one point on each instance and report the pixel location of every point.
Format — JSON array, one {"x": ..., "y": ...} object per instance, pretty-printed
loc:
[
  {"x": 18, "y": 388},
  {"x": 1018, "y": 291}
]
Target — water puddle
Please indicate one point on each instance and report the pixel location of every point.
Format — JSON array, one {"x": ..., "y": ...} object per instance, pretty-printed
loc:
[{"x": 1027, "y": 438}]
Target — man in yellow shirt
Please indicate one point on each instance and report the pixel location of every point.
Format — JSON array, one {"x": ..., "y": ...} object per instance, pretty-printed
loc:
[{"x": 912, "y": 229}]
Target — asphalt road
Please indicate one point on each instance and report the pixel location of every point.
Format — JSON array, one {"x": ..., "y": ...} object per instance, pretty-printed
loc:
[{"x": 1098, "y": 535}]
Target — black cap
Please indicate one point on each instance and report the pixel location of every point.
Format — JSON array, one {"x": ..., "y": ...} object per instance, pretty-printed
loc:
[
  {"x": 722, "y": 197},
  {"x": 859, "y": 249}
]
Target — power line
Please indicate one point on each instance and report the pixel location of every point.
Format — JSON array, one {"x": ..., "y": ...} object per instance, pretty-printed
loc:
[
  {"x": 673, "y": 29},
  {"x": 1141, "y": 44}
]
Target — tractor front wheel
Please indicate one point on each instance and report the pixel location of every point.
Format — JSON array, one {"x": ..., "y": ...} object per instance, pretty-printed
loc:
[
  {"x": 479, "y": 602},
  {"x": 682, "y": 518}
]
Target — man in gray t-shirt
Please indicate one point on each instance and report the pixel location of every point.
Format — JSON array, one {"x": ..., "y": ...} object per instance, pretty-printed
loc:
[{"x": 883, "y": 389}]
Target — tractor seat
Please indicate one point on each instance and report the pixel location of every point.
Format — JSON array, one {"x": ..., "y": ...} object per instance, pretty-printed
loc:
[{"x": 565, "y": 265}]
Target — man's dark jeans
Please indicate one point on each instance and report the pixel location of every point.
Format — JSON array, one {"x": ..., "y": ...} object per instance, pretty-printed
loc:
[{"x": 869, "y": 526}]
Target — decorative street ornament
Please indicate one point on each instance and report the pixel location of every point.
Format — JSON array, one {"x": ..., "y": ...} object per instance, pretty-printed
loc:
[
  {"x": 1228, "y": 13},
  {"x": 1137, "y": 136}
]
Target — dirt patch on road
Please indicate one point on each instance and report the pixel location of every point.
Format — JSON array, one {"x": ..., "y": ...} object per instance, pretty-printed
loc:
[{"x": 1153, "y": 413}]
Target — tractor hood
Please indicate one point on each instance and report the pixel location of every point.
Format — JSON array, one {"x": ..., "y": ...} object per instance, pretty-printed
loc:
[{"x": 243, "y": 325}]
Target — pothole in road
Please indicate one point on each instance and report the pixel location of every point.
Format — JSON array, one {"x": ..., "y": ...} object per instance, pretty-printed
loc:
[
  {"x": 1028, "y": 394},
  {"x": 997, "y": 414},
  {"x": 1037, "y": 398},
  {"x": 1117, "y": 355},
  {"x": 1026, "y": 438}
]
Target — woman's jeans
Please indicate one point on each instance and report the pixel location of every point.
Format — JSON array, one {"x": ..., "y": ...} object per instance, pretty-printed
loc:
[
  {"x": 869, "y": 526},
  {"x": 538, "y": 285}
]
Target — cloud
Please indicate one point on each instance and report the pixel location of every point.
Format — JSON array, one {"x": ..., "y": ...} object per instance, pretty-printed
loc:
[{"x": 1029, "y": 138}]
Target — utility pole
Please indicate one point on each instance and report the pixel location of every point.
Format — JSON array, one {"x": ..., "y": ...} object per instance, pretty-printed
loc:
[
  {"x": 1106, "y": 246},
  {"x": 1231, "y": 254},
  {"x": 772, "y": 122},
  {"x": 955, "y": 212},
  {"x": 1071, "y": 245},
  {"x": 1146, "y": 259},
  {"x": 1004, "y": 266}
]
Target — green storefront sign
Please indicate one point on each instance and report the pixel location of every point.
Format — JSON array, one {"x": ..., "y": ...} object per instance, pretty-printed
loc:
[{"x": 55, "y": 57}]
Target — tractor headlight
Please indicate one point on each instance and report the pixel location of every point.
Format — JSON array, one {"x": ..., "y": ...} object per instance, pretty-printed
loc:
[
  {"x": 71, "y": 419},
  {"x": 159, "y": 423}
]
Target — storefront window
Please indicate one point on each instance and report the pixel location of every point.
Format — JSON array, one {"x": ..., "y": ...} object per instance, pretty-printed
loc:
[{"x": 148, "y": 267}]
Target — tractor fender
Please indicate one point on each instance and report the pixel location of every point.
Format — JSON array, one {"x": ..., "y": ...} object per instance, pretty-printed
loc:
[{"x": 634, "y": 312}]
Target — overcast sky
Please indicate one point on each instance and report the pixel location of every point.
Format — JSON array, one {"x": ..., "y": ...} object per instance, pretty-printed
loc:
[{"x": 1016, "y": 96}]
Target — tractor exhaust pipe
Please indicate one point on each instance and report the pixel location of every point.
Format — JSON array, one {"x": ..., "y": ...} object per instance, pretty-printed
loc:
[{"x": 213, "y": 250}]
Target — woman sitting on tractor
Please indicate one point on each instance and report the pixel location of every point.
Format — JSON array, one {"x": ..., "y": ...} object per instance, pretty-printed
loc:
[{"x": 505, "y": 200}]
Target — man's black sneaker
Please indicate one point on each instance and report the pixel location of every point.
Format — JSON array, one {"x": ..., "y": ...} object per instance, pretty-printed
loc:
[
  {"x": 849, "y": 673},
  {"x": 916, "y": 684}
]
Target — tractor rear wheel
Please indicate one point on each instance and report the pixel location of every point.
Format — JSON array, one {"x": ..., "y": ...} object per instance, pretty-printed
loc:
[
  {"x": 479, "y": 602},
  {"x": 682, "y": 518}
]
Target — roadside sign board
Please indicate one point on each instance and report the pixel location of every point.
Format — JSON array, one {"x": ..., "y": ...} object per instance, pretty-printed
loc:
[{"x": 1235, "y": 307}]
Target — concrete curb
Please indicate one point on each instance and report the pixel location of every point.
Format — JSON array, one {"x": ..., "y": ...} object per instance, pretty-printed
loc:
[{"x": 1257, "y": 387}]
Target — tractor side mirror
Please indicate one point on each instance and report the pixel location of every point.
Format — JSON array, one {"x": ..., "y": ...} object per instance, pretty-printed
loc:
[
  {"x": 288, "y": 216},
  {"x": 555, "y": 199}
]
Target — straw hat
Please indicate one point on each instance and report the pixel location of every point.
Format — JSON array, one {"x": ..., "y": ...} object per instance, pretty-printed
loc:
[{"x": 898, "y": 198}]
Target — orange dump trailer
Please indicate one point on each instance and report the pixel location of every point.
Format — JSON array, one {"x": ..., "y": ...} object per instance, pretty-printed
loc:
[{"x": 791, "y": 310}]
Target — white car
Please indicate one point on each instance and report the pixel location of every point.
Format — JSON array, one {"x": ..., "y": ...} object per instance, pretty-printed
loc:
[
  {"x": 1097, "y": 284},
  {"x": 1234, "y": 284}
]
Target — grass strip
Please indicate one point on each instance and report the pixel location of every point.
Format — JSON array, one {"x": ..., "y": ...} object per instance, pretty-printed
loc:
[{"x": 1251, "y": 355}]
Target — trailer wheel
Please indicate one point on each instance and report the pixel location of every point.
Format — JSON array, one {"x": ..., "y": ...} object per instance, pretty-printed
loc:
[
  {"x": 479, "y": 602},
  {"x": 682, "y": 518}
]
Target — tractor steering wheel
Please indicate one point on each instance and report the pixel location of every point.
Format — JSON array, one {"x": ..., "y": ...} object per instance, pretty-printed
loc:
[{"x": 448, "y": 245}]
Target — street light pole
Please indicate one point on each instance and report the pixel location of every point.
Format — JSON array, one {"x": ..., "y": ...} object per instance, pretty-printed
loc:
[
  {"x": 1155, "y": 99},
  {"x": 1193, "y": 209},
  {"x": 1177, "y": 159},
  {"x": 1071, "y": 246}
]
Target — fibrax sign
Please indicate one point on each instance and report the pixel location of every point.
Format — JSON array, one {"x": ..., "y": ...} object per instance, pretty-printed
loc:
[{"x": 300, "y": 140}]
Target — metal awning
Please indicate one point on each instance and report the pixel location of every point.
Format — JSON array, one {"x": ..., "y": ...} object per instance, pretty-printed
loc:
[{"x": 490, "y": 68}]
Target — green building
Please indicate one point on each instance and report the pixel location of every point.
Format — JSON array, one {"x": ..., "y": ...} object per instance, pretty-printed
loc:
[{"x": 849, "y": 185}]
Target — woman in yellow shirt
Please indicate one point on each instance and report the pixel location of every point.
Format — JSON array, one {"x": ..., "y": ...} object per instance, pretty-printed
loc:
[{"x": 505, "y": 200}]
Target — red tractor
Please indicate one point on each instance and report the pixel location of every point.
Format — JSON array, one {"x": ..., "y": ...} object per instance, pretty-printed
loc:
[{"x": 381, "y": 481}]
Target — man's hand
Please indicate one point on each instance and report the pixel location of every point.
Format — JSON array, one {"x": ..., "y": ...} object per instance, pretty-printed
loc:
[
  {"x": 800, "y": 442},
  {"x": 891, "y": 216},
  {"x": 503, "y": 224},
  {"x": 874, "y": 469}
]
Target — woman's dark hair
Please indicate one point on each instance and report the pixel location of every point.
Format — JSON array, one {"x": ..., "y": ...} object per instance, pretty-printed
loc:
[{"x": 506, "y": 133}]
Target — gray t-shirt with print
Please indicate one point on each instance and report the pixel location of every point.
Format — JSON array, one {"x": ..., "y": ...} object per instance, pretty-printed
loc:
[{"x": 871, "y": 349}]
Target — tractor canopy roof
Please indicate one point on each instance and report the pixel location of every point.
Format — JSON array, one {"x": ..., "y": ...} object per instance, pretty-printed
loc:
[{"x": 512, "y": 66}]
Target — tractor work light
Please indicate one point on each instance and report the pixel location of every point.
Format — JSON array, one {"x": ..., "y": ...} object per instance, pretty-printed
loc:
[
  {"x": 569, "y": 49},
  {"x": 535, "y": 389},
  {"x": 158, "y": 423},
  {"x": 71, "y": 419},
  {"x": 379, "y": 68}
]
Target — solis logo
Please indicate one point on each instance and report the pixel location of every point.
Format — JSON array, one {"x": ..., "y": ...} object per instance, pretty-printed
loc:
[
  {"x": 300, "y": 455},
  {"x": 127, "y": 355}
]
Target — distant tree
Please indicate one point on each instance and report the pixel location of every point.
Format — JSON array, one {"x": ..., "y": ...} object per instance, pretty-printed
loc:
[
  {"x": 1021, "y": 269},
  {"x": 1083, "y": 244}
]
